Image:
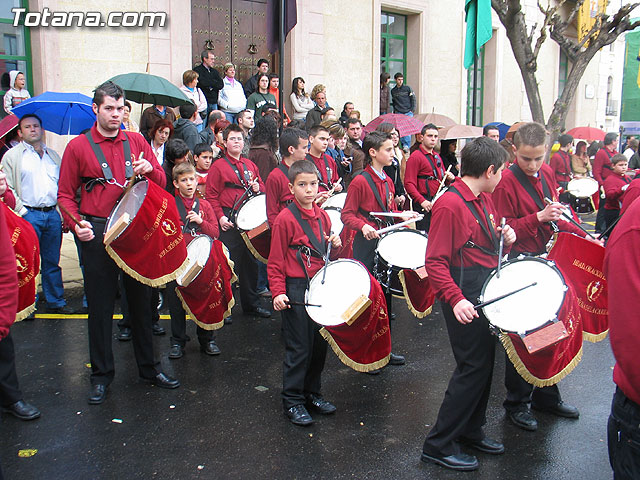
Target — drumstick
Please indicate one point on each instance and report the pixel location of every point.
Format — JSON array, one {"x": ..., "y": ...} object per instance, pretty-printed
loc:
[
  {"x": 301, "y": 304},
  {"x": 326, "y": 263},
  {"x": 609, "y": 228},
  {"x": 399, "y": 225},
  {"x": 501, "y": 248},
  {"x": 444, "y": 178},
  {"x": 501, "y": 297},
  {"x": 570, "y": 218},
  {"x": 392, "y": 214},
  {"x": 330, "y": 192},
  {"x": 71, "y": 216}
]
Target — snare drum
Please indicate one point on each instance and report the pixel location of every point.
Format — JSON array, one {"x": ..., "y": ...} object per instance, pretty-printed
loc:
[
  {"x": 198, "y": 252},
  {"x": 580, "y": 192},
  {"x": 252, "y": 214},
  {"x": 398, "y": 250},
  {"x": 530, "y": 309},
  {"x": 343, "y": 296},
  {"x": 336, "y": 221},
  {"x": 335, "y": 201}
]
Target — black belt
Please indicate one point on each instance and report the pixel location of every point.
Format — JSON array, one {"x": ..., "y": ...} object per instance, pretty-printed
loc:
[
  {"x": 92, "y": 219},
  {"x": 41, "y": 209}
]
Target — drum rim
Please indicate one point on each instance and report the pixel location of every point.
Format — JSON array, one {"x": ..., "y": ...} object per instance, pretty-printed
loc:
[
  {"x": 319, "y": 273},
  {"x": 549, "y": 263},
  {"x": 335, "y": 195},
  {"x": 115, "y": 207}
]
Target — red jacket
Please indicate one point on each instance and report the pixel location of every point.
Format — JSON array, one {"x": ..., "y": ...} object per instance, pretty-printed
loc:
[
  {"x": 8, "y": 278},
  {"x": 452, "y": 225},
  {"x": 286, "y": 231},
  {"x": 209, "y": 225},
  {"x": 322, "y": 168},
  {"x": 219, "y": 193},
  {"x": 622, "y": 269},
  {"x": 602, "y": 164},
  {"x": 278, "y": 193},
  {"x": 516, "y": 205},
  {"x": 613, "y": 190},
  {"x": 79, "y": 162},
  {"x": 561, "y": 165},
  {"x": 418, "y": 165},
  {"x": 360, "y": 198},
  {"x": 630, "y": 195}
]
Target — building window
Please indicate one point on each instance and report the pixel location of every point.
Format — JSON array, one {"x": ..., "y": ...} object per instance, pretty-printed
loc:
[
  {"x": 563, "y": 71},
  {"x": 479, "y": 91},
  {"x": 15, "y": 47},
  {"x": 393, "y": 45}
]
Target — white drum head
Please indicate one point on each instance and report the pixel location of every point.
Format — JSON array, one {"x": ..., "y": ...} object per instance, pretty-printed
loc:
[
  {"x": 403, "y": 248},
  {"x": 336, "y": 221},
  {"x": 252, "y": 213},
  {"x": 130, "y": 203},
  {"x": 582, "y": 187},
  {"x": 530, "y": 308},
  {"x": 346, "y": 280},
  {"x": 198, "y": 251},
  {"x": 335, "y": 201}
]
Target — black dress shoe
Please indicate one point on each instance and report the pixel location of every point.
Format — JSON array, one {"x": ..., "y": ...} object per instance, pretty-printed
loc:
[
  {"x": 176, "y": 352},
  {"x": 485, "y": 445},
  {"x": 22, "y": 410},
  {"x": 524, "y": 419},
  {"x": 460, "y": 461},
  {"x": 157, "y": 329},
  {"x": 98, "y": 394},
  {"x": 259, "y": 312},
  {"x": 64, "y": 310},
  {"x": 561, "y": 409},
  {"x": 396, "y": 359},
  {"x": 228, "y": 320},
  {"x": 125, "y": 334},
  {"x": 163, "y": 381},
  {"x": 298, "y": 415},
  {"x": 210, "y": 348},
  {"x": 321, "y": 405}
]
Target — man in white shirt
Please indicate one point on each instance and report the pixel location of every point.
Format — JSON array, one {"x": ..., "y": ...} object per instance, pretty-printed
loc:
[{"x": 32, "y": 173}]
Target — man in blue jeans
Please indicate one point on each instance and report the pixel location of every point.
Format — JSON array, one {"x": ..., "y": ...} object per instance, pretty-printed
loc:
[
  {"x": 403, "y": 101},
  {"x": 32, "y": 173}
]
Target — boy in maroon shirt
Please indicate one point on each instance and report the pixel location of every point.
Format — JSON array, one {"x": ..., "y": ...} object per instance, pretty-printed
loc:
[
  {"x": 231, "y": 180},
  {"x": 622, "y": 269},
  {"x": 289, "y": 269},
  {"x": 615, "y": 186},
  {"x": 424, "y": 173},
  {"x": 520, "y": 198},
  {"x": 464, "y": 216},
  {"x": 372, "y": 191},
  {"x": 561, "y": 161},
  {"x": 318, "y": 143},
  {"x": 196, "y": 218},
  {"x": 602, "y": 169},
  {"x": 293, "y": 147}
]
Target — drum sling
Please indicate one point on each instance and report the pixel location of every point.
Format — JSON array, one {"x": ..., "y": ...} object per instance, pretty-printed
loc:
[
  {"x": 327, "y": 168},
  {"x": 107, "y": 175}
]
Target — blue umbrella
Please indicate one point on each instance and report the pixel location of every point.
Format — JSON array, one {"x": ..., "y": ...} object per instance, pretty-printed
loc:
[
  {"x": 503, "y": 128},
  {"x": 61, "y": 113}
]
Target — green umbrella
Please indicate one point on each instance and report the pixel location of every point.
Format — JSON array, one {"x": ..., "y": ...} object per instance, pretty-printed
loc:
[{"x": 146, "y": 88}]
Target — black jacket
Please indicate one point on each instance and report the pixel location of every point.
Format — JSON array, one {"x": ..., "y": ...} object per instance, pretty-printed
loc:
[
  {"x": 251, "y": 85},
  {"x": 403, "y": 99},
  {"x": 187, "y": 131},
  {"x": 210, "y": 82},
  {"x": 314, "y": 117}
]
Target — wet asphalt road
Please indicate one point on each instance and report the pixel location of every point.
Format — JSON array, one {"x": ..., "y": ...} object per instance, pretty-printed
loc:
[{"x": 226, "y": 421}]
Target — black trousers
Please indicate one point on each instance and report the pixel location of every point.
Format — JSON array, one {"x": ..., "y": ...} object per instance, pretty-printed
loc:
[
  {"x": 101, "y": 286},
  {"x": 305, "y": 349},
  {"x": 9, "y": 389},
  {"x": 623, "y": 434},
  {"x": 600, "y": 221},
  {"x": 610, "y": 216},
  {"x": 364, "y": 251},
  {"x": 179, "y": 320},
  {"x": 462, "y": 413},
  {"x": 520, "y": 393},
  {"x": 125, "y": 321},
  {"x": 245, "y": 266}
]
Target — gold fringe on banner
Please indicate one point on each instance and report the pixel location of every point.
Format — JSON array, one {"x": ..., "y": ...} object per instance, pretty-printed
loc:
[
  {"x": 595, "y": 338},
  {"x": 358, "y": 367},
  {"x": 527, "y": 375},
  {"x": 147, "y": 281},
  {"x": 26, "y": 312},
  {"x": 206, "y": 326},
  {"x": 252, "y": 249},
  {"x": 413, "y": 310}
]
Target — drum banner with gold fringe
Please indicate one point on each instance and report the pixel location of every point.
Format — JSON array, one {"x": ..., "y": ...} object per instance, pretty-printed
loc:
[
  {"x": 346, "y": 236},
  {"x": 417, "y": 292},
  {"x": 208, "y": 299},
  {"x": 365, "y": 345},
  {"x": 551, "y": 364},
  {"x": 581, "y": 263},
  {"x": 152, "y": 248},
  {"x": 27, "y": 250},
  {"x": 259, "y": 245}
]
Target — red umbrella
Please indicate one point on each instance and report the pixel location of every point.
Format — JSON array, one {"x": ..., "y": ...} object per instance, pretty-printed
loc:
[
  {"x": 437, "y": 119},
  {"x": 460, "y": 131},
  {"x": 404, "y": 124},
  {"x": 513, "y": 129},
  {"x": 587, "y": 133},
  {"x": 8, "y": 123}
]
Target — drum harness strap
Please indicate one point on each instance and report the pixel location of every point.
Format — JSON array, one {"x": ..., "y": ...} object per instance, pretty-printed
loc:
[
  {"x": 244, "y": 185},
  {"x": 376, "y": 194},
  {"x": 328, "y": 185},
  {"x": 107, "y": 175},
  {"x": 285, "y": 170},
  {"x": 610, "y": 155},
  {"x": 526, "y": 184},
  {"x": 318, "y": 249},
  {"x": 435, "y": 170},
  {"x": 182, "y": 210}
]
